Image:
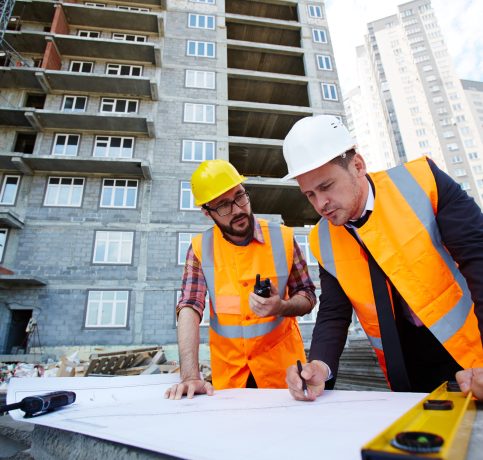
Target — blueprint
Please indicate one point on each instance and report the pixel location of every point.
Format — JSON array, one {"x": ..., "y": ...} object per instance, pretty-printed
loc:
[{"x": 235, "y": 424}]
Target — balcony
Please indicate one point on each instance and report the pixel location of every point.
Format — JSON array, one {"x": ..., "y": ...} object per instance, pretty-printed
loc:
[
  {"x": 265, "y": 58},
  {"x": 9, "y": 219},
  {"x": 274, "y": 196},
  {"x": 267, "y": 88},
  {"x": 111, "y": 18},
  {"x": 83, "y": 16},
  {"x": 274, "y": 10},
  {"x": 57, "y": 82},
  {"x": 94, "y": 48},
  {"x": 284, "y": 33},
  {"x": 41, "y": 120},
  {"x": 30, "y": 164},
  {"x": 72, "y": 46},
  {"x": 267, "y": 121}
]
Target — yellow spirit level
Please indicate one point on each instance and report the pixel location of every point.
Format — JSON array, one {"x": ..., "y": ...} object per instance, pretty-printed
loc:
[{"x": 437, "y": 428}]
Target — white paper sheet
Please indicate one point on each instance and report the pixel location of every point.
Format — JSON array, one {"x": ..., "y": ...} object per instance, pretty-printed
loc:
[{"x": 236, "y": 424}]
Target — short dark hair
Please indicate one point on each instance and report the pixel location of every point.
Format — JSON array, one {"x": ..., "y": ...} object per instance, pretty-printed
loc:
[{"x": 344, "y": 159}]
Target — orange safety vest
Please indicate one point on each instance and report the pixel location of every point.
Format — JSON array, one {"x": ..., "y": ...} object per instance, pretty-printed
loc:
[
  {"x": 240, "y": 341},
  {"x": 403, "y": 237}
]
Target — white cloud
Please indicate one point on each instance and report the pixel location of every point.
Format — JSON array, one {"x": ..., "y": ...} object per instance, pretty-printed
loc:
[{"x": 460, "y": 22}]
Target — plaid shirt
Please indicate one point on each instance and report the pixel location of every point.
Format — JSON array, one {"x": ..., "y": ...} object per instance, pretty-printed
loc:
[{"x": 194, "y": 288}]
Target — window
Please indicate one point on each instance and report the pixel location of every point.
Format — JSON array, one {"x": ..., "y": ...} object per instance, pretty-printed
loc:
[
  {"x": 66, "y": 144},
  {"x": 329, "y": 92},
  {"x": 465, "y": 185},
  {"x": 98, "y": 5},
  {"x": 198, "y": 150},
  {"x": 8, "y": 192},
  {"x": 25, "y": 143},
  {"x": 312, "y": 316},
  {"x": 303, "y": 242},
  {"x": 109, "y": 105},
  {"x": 324, "y": 62},
  {"x": 88, "y": 33},
  {"x": 107, "y": 308},
  {"x": 64, "y": 191},
  {"x": 119, "y": 193},
  {"x": 205, "y": 321},
  {"x": 452, "y": 147},
  {"x": 186, "y": 199},
  {"x": 81, "y": 66},
  {"x": 448, "y": 134},
  {"x": 201, "y": 21},
  {"x": 3, "y": 241},
  {"x": 129, "y": 38},
  {"x": 124, "y": 70},
  {"x": 423, "y": 144},
  {"x": 315, "y": 11},
  {"x": 420, "y": 132},
  {"x": 184, "y": 242},
  {"x": 473, "y": 155},
  {"x": 200, "y": 79},
  {"x": 199, "y": 113},
  {"x": 201, "y": 49},
  {"x": 319, "y": 36},
  {"x": 438, "y": 100},
  {"x": 133, "y": 8},
  {"x": 113, "y": 247},
  {"x": 113, "y": 147},
  {"x": 478, "y": 169},
  {"x": 456, "y": 159},
  {"x": 210, "y": 2},
  {"x": 74, "y": 104}
]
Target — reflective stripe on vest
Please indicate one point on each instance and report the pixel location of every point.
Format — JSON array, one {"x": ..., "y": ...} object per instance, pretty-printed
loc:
[
  {"x": 449, "y": 324},
  {"x": 376, "y": 342},
  {"x": 326, "y": 251},
  {"x": 208, "y": 266}
]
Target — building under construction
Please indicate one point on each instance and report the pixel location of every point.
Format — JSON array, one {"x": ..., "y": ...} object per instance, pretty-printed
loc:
[{"x": 105, "y": 111}]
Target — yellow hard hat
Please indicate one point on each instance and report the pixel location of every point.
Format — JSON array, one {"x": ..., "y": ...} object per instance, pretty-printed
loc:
[{"x": 212, "y": 178}]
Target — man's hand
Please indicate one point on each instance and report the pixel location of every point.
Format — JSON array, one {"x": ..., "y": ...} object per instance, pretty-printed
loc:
[
  {"x": 471, "y": 380},
  {"x": 263, "y": 307},
  {"x": 189, "y": 388},
  {"x": 314, "y": 373}
]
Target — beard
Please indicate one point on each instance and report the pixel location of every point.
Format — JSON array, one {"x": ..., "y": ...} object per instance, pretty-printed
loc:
[{"x": 231, "y": 231}]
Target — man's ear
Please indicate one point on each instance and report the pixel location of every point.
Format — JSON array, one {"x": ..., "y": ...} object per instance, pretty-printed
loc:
[
  {"x": 359, "y": 165},
  {"x": 205, "y": 212}
]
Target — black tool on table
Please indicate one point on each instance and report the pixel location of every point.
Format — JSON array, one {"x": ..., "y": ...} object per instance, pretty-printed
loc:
[{"x": 41, "y": 404}]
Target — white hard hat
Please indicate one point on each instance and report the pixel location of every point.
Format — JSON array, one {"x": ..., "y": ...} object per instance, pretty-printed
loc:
[{"x": 313, "y": 142}]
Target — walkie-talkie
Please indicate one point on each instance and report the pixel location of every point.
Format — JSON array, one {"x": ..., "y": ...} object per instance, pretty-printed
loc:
[
  {"x": 41, "y": 404},
  {"x": 262, "y": 288}
]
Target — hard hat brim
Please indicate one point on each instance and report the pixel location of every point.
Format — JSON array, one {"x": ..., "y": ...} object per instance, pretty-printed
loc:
[
  {"x": 202, "y": 202},
  {"x": 314, "y": 165}
]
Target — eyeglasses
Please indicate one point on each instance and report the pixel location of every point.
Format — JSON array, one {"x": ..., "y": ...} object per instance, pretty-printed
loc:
[{"x": 227, "y": 208}]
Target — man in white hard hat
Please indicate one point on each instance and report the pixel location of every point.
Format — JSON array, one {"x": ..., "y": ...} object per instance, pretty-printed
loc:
[
  {"x": 404, "y": 249},
  {"x": 254, "y": 337}
]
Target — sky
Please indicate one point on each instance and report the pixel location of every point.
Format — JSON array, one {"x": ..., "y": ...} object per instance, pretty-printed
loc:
[{"x": 459, "y": 20}]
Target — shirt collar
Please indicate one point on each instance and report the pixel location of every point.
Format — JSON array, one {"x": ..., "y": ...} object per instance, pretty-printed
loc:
[{"x": 369, "y": 203}]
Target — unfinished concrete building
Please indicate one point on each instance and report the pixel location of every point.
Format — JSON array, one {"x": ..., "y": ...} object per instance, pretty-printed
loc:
[{"x": 105, "y": 111}]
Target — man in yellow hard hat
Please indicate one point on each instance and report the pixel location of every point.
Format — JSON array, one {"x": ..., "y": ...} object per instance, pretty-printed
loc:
[
  {"x": 404, "y": 249},
  {"x": 253, "y": 338}
]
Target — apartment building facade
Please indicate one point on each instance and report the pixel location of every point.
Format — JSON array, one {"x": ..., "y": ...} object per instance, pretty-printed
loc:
[
  {"x": 405, "y": 68},
  {"x": 105, "y": 111}
]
